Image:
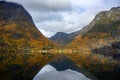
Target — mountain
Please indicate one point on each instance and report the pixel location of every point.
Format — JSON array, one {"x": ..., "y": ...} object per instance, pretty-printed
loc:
[
  {"x": 101, "y": 38},
  {"x": 105, "y": 22},
  {"x": 17, "y": 29},
  {"x": 20, "y": 41},
  {"x": 100, "y": 35},
  {"x": 60, "y": 38},
  {"x": 62, "y": 68}
]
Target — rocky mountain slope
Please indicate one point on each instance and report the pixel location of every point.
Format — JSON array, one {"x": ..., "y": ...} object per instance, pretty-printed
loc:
[
  {"x": 19, "y": 39},
  {"x": 101, "y": 33},
  {"x": 105, "y": 22},
  {"x": 17, "y": 29}
]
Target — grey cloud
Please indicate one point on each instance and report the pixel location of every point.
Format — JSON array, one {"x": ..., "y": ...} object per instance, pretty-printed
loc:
[
  {"x": 112, "y": 2},
  {"x": 51, "y": 5},
  {"x": 50, "y": 16},
  {"x": 46, "y": 5}
]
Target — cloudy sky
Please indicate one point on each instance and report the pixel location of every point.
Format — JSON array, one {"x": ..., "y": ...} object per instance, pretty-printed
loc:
[{"x": 51, "y": 16}]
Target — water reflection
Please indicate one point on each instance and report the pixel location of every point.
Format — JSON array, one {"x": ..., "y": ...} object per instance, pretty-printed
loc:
[
  {"x": 54, "y": 51},
  {"x": 25, "y": 65}
]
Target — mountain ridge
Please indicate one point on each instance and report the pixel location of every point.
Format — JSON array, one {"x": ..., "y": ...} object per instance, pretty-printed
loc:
[
  {"x": 20, "y": 40},
  {"x": 100, "y": 35},
  {"x": 16, "y": 23},
  {"x": 107, "y": 18},
  {"x": 60, "y": 38}
]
